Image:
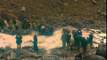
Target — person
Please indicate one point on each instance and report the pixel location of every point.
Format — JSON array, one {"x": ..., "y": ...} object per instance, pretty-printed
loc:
[
  {"x": 78, "y": 38},
  {"x": 25, "y": 24},
  {"x": 84, "y": 45},
  {"x": 35, "y": 42},
  {"x": 68, "y": 39},
  {"x": 2, "y": 24},
  {"x": 79, "y": 32},
  {"x": 90, "y": 39},
  {"x": 74, "y": 36},
  {"x": 41, "y": 29},
  {"x": 18, "y": 40},
  {"x": 51, "y": 30},
  {"x": 78, "y": 42},
  {"x": 63, "y": 38},
  {"x": 16, "y": 23}
]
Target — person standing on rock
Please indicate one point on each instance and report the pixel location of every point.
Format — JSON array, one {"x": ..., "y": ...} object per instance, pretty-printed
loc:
[
  {"x": 35, "y": 42},
  {"x": 68, "y": 39},
  {"x": 64, "y": 38},
  {"x": 75, "y": 39},
  {"x": 78, "y": 38},
  {"x": 18, "y": 40},
  {"x": 90, "y": 39}
]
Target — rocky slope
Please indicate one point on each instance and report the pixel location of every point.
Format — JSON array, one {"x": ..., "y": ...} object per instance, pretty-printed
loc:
[{"x": 89, "y": 13}]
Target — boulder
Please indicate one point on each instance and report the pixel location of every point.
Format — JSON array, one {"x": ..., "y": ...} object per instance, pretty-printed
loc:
[{"x": 94, "y": 57}]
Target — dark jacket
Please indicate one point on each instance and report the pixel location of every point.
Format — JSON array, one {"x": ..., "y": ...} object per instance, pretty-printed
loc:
[
  {"x": 84, "y": 42},
  {"x": 18, "y": 39},
  {"x": 68, "y": 37},
  {"x": 35, "y": 43},
  {"x": 35, "y": 40},
  {"x": 90, "y": 38}
]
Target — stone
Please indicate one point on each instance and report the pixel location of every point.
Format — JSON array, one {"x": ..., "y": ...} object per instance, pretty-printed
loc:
[
  {"x": 13, "y": 55},
  {"x": 94, "y": 1},
  {"x": 23, "y": 8},
  {"x": 94, "y": 57}
]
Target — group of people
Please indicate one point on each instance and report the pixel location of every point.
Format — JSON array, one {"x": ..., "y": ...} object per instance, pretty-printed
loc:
[
  {"x": 19, "y": 42},
  {"x": 79, "y": 41}
]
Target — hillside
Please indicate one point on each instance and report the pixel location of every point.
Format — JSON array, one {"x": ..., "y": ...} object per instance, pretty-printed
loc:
[{"x": 89, "y": 13}]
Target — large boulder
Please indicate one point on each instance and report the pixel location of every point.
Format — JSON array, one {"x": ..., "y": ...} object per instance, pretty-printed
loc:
[
  {"x": 94, "y": 57},
  {"x": 101, "y": 53}
]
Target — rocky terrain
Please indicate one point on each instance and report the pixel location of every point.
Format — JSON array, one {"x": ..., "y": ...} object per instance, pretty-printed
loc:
[
  {"x": 70, "y": 14},
  {"x": 88, "y": 13},
  {"x": 50, "y": 46}
]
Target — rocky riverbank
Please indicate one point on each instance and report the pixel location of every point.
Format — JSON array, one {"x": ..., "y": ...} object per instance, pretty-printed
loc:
[{"x": 49, "y": 45}]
